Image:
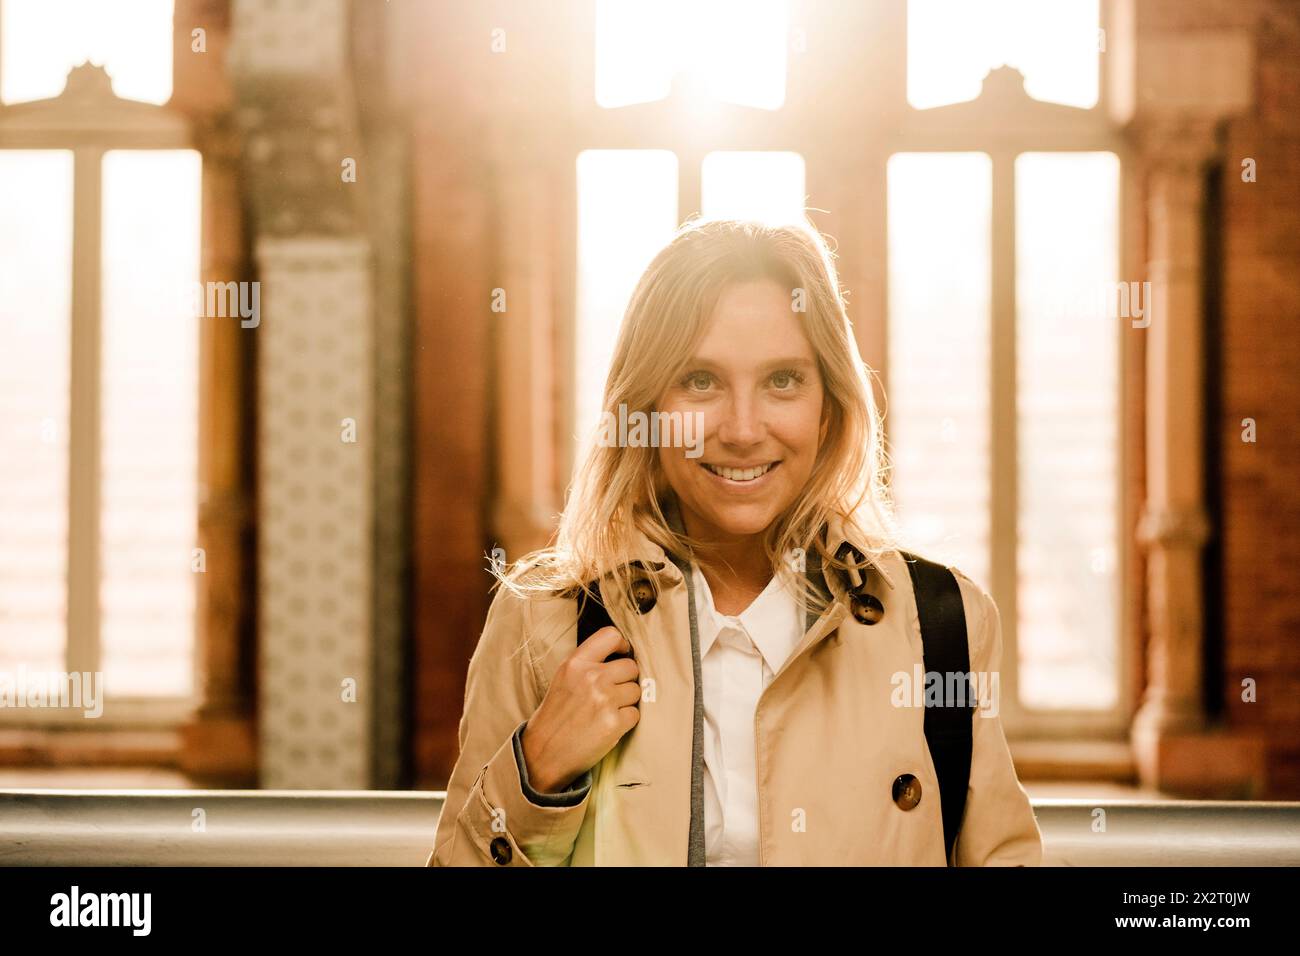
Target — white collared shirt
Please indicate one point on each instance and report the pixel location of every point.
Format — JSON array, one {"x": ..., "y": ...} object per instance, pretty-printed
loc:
[{"x": 739, "y": 657}]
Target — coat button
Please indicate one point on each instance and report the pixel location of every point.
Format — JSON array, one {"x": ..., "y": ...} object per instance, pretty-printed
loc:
[
  {"x": 501, "y": 851},
  {"x": 867, "y": 609},
  {"x": 907, "y": 791},
  {"x": 643, "y": 593}
]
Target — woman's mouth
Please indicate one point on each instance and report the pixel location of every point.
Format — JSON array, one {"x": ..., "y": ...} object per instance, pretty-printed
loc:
[{"x": 737, "y": 477}]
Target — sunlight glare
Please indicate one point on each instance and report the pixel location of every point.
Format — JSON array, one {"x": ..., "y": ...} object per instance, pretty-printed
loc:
[
  {"x": 41, "y": 40},
  {"x": 733, "y": 49},
  {"x": 767, "y": 186},
  {"x": 952, "y": 44}
]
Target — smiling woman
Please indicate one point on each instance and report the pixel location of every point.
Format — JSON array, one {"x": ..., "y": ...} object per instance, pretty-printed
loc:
[
  {"x": 725, "y": 722},
  {"x": 768, "y": 421},
  {"x": 743, "y": 323}
]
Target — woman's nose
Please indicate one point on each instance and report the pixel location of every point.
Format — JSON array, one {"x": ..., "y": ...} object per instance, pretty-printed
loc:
[{"x": 741, "y": 424}]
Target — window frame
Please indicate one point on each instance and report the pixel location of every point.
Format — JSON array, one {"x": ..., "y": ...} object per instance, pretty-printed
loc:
[
  {"x": 1003, "y": 122},
  {"x": 89, "y": 120}
]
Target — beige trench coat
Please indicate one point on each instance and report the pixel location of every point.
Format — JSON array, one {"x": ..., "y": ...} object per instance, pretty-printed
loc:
[{"x": 831, "y": 738}]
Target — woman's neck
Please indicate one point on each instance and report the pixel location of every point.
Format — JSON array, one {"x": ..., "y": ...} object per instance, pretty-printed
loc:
[
  {"x": 736, "y": 568},
  {"x": 732, "y": 596}
]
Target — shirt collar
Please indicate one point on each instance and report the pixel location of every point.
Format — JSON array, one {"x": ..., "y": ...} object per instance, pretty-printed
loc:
[
  {"x": 655, "y": 560},
  {"x": 773, "y": 620}
]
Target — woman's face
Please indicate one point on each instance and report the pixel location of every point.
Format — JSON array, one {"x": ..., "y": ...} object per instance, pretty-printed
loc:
[{"x": 755, "y": 380}]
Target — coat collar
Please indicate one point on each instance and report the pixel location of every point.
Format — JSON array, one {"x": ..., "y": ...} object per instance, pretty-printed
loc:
[
  {"x": 836, "y": 537},
  {"x": 665, "y": 572}
]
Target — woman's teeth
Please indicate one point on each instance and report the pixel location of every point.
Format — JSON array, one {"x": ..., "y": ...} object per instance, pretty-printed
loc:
[{"x": 741, "y": 474}]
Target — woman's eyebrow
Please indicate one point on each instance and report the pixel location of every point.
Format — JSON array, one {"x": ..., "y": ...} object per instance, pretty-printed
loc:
[{"x": 796, "y": 361}]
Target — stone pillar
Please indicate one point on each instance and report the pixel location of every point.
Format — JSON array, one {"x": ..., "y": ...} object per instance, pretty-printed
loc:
[
  {"x": 1175, "y": 748},
  {"x": 315, "y": 686},
  {"x": 296, "y": 105},
  {"x": 1173, "y": 90},
  {"x": 1174, "y": 525}
]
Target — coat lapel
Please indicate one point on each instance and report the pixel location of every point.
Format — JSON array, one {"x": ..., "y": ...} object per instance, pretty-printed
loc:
[
  {"x": 646, "y": 820},
  {"x": 651, "y": 775}
]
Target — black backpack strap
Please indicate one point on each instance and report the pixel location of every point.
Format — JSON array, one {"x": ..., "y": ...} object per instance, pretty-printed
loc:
[
  {"x": 948, "y": 728},
  {"x": 592, "y": 615}
]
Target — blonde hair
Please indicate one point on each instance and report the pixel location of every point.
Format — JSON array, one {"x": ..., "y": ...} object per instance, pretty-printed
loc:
[{"x": 618, "y": 491}]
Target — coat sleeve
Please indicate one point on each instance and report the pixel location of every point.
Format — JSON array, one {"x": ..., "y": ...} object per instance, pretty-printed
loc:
[
  {"x": 488, "y": 796},
  {"x": 999, "y": 827}
]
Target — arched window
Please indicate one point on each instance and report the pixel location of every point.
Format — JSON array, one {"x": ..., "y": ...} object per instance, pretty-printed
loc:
[
  {"x": 1003, "y": 357},
  {"x": 99, "y": 356}
]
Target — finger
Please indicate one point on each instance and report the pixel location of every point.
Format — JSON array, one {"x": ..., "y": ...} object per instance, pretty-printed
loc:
[
  {"x": 627, "y": 695},
  {"x": 606, "y": 641},
  {"x": 621, "y": 669},
  {"x": 629, "y": 716}
]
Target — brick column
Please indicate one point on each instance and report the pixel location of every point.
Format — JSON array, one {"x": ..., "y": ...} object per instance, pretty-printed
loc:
[
  {"x": 1173, "y": 89},
  {"x": 1174, "y": 747},
  {"x": 1174, "y": 526}
]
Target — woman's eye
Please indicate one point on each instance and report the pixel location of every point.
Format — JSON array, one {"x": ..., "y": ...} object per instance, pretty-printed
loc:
[{"x": 786, "y": 380}]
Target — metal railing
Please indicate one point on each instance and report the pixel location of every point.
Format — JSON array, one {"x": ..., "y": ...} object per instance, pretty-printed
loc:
[{"x": 387, "y": 828}]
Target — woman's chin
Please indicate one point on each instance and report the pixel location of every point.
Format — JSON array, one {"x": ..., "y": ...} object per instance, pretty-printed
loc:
[{"x": 739, "y": 519}]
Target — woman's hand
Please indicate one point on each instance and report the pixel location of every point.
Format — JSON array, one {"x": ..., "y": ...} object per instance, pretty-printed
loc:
[{"x": 588, "y": 708}]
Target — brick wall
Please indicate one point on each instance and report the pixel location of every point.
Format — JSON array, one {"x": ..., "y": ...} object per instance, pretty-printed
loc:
[
  {"x": 1260, "y": 372},
  {"x": 1256, "y": 359}
]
